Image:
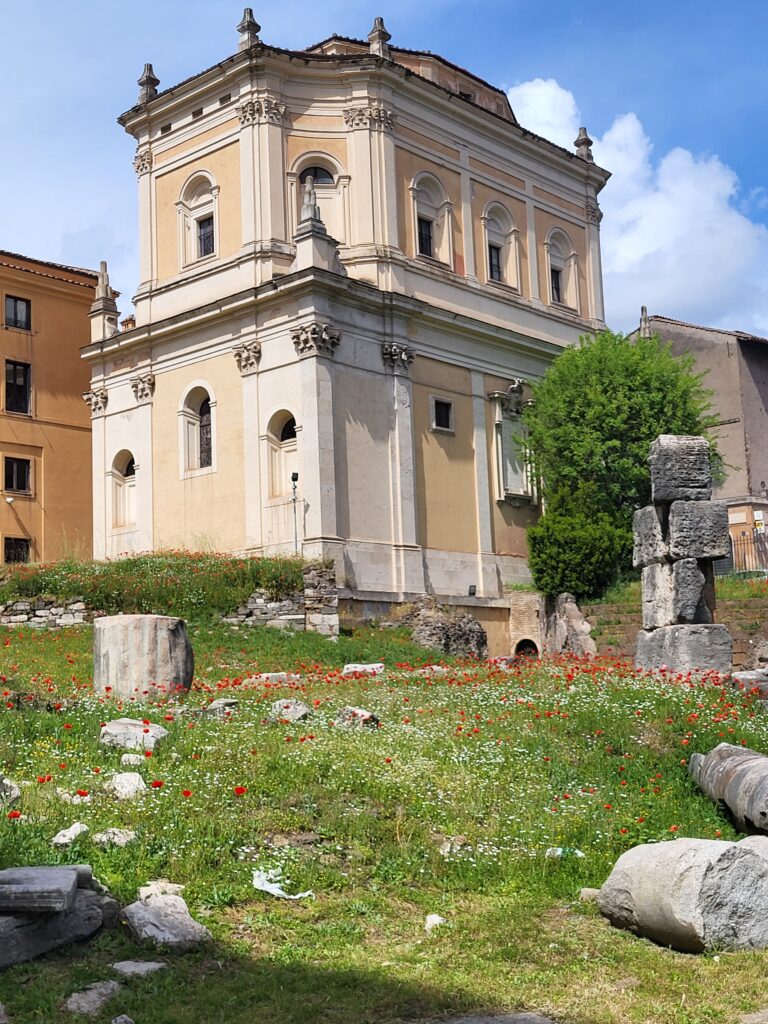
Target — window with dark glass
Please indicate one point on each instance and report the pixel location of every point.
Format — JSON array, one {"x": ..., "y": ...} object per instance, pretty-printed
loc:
[
  {"x": 17, "y": 387},
  {"x": 18, "y": 313},
  {"x": 494, "y": 262},
  {"x": 555, "y": 276},
  {"x": 205, "y": 236},
  {"x": 15, "y": 549},
  {"x": 130, "y": 469},
  {"x": 319, "y": 175},
  {"x": 18, "y": 474},
  {"x": 443, "y": 415},
  {"x": 288, "y": 433},
  {"x": 425, "y": 236},
  {"x": 206, "y": 452}
]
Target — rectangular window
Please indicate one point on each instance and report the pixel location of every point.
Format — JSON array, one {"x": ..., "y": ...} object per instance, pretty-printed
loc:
[
  {"x": 442, "y": 414},
  {"x": 18, "y": 475},
  {"x": 514, "y": 470},
  {"x": 425, "y": 237},
  {"x": 15, "y": 549},
  {"x": 205, "y": 237},
  {"x": 225, "y": 99},
  {"x": 494, "y": 262},
  {"x": 166, "y": 128},
  {"x": 555, "y": 276},
  {"x": 17, "y": 387},
  {"x": 18, "y": 313},
  {"x": 197, "y": 113}
]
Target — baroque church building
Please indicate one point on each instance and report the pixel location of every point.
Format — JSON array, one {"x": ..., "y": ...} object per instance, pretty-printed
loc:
[{"x": 354, "y": 261}]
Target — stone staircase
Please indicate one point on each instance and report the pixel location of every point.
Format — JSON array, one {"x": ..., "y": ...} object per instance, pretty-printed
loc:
[{"x": 615, "y": 626}]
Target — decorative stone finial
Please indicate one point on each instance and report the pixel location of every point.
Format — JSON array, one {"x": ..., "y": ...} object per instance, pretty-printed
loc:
[
  {"x": 378, "y": 38},
  {"x": 309, "y": 208},
  {"x": 148, "y": 84},
  {"x": 645, "y": 324},
  {"x": 583, "y": 145},
  {"x": 103, "y": 290},
  {"x": 249, "y": 30},
  {"x": 103, "y": 313}
]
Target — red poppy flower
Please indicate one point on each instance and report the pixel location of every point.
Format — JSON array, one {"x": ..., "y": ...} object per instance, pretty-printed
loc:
[
  {"x": 82, "y": 792},
  {"x": 186, "y": 792},
  {"x": 241, "y": 790},
  {"x": 157, "y": 784},
  {"x": 14, "y": 814}
]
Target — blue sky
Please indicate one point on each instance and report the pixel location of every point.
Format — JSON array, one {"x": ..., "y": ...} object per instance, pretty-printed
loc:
[{"x": 674, "y": 94}]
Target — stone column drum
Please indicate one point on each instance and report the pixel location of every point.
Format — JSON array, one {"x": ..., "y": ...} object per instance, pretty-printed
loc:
[
  {"x": 676, "y": 540},
  {"x": 146, "y": 657}
]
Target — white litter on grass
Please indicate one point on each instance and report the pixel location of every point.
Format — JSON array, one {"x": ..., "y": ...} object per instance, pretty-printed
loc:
[
  {"x": 433, "y": 921},
  {"x": 270, "y": 881},
  {"x": 557, "y": 852}
]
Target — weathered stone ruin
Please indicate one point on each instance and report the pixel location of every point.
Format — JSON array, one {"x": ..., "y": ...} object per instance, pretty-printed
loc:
[
  {"x": 676, "y": 540},
  {"x": 736, "y": 778},
  {"x": 147, "y": 657}
]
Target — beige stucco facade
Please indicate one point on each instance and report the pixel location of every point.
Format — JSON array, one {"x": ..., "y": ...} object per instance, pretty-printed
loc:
[
  {"x": 45, "y": 427},
  {"x": 354, "y": 333}
]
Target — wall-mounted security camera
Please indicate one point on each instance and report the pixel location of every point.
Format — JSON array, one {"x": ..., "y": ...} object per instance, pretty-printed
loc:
[{"x": 294, "y": 477}]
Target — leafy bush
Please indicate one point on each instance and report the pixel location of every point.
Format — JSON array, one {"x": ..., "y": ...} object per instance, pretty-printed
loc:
[{"x": 188, "y": 584}]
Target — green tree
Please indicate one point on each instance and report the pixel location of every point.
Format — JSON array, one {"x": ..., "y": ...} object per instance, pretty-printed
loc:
[{"x": 590, "y": 427}]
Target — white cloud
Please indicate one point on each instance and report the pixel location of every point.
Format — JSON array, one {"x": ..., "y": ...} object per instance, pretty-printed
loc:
[{"x": 676, "y": 235}]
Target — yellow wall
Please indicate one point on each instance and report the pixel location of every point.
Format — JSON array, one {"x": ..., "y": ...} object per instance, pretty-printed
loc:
[
  {"x": 57, "y": 516},
  {"x": 199, "y": 140},
  {"x": 224, "y": 165},
  {"x": 408, "y": 166},
  {"x": 544, "y": 223},
  {"x": 207, "y": 510},
  {"x": 299, "y": 144},
  {"x": 481, "y": 196},
  {"x": 445, "y": 474}
]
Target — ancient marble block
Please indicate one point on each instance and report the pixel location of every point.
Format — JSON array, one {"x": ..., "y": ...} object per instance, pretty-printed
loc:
[
  {"x": 658, "y": 596},
  {"x": 26, "y": 936},
  {"x": 680, "y": 469},
  {"x": 698, "y": 529},
  {"x": 37, "y": 890},
  {"x": 147, "y": 657},
  {"x": 685, "y": 648},
  {"x": 648, "y": 529},
  {"x": 688, "y": 598}
]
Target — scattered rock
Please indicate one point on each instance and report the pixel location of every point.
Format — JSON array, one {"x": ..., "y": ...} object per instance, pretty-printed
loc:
[
  {"x": 692, "y": 894},
  {"x": 114, "y": 837},
  {"x": 290, "y": 710},
  {"x": 92, "y": 998},
  {"x": 126, "y": 785},
  {"x": 73, "y": 798},
  {"x": 166, "y": 921},
  {"x": 565, "y": 628},
  {"x": 221, "y": 707},
  {"x": 122, "y": 1019},
  {"x": 587, "y": 895},
  {"x": 448, "y": 845},
  {"x": 277, "y": 677},
  {"x": 132, "y": 760},
  {"x": 137, "y": 968},
  {"x": 131, "y": 734},
  {"x": 9, "y": 792},
  {"x": 357, "y": 718},
  {"x": 160, "y": 887},
  {"x": 374, "y": 668},
  {"x": 141, "y": 656},
  {"x": 67, "y": 836},
  {"x": 433, "y": 921},
  {"x": 761, "y": 1017}
]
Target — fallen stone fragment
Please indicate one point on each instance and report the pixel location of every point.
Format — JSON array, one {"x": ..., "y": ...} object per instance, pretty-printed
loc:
[
  {"x": 41, "y": 890},
  {"x": 126, "y": 785},
  {"x": 122, "y": 1019},
  {"x": 67, "y": 836},
  {"x": 738, "y": 778},
  {"x": 357, "y": 718},
  {"x": 132, "y": 760},
  {"x": 131, "y": 734},
  {"x": 290, "y": 710},
  {"x": 692, "y": 894},
  {"x": 9, "y": 792},
  {"x": 374, "y": 668},
  {"x": 166, "y": 921},
  {"x": 221, "y": 707},
  {"x": 587, "y": 895},
  {"x": 433, "y": 921},
  {"x": 277, "y": 677},
  {"x": 26, "y": 936},
  {"x": 114, "y": 837},
  {"x": 761, "y": 1017},
  {"x": 141, "y": 656},
  {"x": 73, "y": 798},
  {"x": 680, "y": 468},
  {"x": 160, "y": 887},
  {"x": 137, "y": 968},
  {"x": 755, "y": 682},
  {"x": 93, "y": 998}
]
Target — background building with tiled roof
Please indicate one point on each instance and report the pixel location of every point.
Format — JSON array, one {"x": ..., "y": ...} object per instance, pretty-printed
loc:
[{"x": 45, "y": 427}]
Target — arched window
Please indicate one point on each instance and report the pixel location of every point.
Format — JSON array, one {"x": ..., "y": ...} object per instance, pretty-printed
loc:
[
  {"x": 283, "y": 453},
  {"x": 198, "y": 219},
  {"x": 562, "y": 270},
  {"x": 320, "y": 175},
  {"x": 197, "y": 430},
  {"x": 501, "y": 246},
  {"x": 432, "y": 219},
  {"x": 123, "y": 489},
  {"x": 331, "y": 193}
]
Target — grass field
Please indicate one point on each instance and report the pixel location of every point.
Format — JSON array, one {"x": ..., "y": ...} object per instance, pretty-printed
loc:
[{"x": 448, "y": 808}]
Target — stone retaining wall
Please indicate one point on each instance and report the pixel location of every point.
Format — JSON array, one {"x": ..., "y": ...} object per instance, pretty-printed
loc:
[{"x": 50, "y": 613}]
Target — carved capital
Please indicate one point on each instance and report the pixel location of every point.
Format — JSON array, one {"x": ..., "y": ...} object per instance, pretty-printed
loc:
[
  {"x": 143, "y": 386},
  {"x": 96, "y": 401},
  {"x": 142, "y": 162},
  {"x": 247, "y": 356},
  {"x": 315, "y": 339},
  {"x": 274, "y": 111},
  {"x": 369, "y": 117},
  {"x": 594, "y": 213},
  {"x": 261, "y": 111},
  {"x": 511, "y": 400},
  {"x": 397, "y": 357},
  {"x": 248, "y": 113}
]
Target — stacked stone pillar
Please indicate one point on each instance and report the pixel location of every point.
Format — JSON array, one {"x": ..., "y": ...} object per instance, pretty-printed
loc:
[{"x": 676, "y": 540}]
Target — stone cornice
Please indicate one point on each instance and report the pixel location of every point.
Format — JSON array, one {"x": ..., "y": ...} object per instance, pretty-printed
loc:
[
  {"x": 397, "y": 357},
  {"x": 96, "y": 401},
  {"x": 369, "y": 117},
  {"x": 264, "y": 110},
  {"x": 143, "y": 387},
  {"x": 247, "y": 356},
  {"x": 315, "y": 339}
]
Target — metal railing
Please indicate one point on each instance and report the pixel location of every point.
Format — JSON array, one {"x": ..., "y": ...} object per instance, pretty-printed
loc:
[{"x": 749, "y": 553}]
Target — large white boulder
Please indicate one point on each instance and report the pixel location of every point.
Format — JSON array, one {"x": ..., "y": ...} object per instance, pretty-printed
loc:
[
  {"x": 126, "y": 785},
  {"x": 132, "y": 734},
  {"x": 147, "y": 657},
  {"x": 692, "y": 894}
]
